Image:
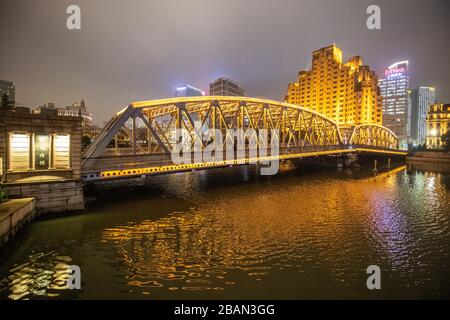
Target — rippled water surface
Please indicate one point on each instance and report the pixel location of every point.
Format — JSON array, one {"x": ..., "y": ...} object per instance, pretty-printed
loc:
[{"x": 230, "y": 233}]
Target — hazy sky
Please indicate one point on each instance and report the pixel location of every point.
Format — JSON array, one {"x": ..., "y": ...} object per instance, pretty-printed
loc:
[{"x": 136, "y": 50}]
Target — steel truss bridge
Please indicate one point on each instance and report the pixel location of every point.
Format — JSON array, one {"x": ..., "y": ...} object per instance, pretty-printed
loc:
[{"x": 139, "y": 139}]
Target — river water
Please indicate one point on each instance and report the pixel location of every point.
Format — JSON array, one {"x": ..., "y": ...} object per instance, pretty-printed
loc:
[{"x": 230, "y": 233}]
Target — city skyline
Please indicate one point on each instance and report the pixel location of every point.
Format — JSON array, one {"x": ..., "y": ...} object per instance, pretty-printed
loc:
[
  {"x": 69, "y": 64},
  {"x": 224, "y": 159}
]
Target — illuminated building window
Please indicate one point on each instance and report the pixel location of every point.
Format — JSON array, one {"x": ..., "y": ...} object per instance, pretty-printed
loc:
[
  {"x": 19, "y": 152},
  {"x": 29, "y": 151},
  {"x": 62, "y": 151},
  {"x": 41, "y": 151}
]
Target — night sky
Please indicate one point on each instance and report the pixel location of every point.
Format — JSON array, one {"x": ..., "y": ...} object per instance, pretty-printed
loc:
[{"x": 138, "y": 50}]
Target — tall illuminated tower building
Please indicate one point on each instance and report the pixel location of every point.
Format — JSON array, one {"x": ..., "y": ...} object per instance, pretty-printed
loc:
[
  {"x": 419, "y": 101},
  {"x": 394, "y": 90},
  {"x": 346, "y": 92}
]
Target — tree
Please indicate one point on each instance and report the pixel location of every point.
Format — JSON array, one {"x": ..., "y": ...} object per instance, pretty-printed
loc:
[
  {"x": 445, "y": 138},
  {"x": 85, "y": 141},
  {"x": 5, "y": 101},
  {"x": 3, "y": 195}
]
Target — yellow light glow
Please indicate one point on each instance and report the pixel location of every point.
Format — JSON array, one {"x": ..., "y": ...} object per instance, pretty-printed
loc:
[
  {"x": 62, "y": 151},
  {"x": 19, "y": 152},
  {"x": 202, "y": 99},
  {"x": 185, "y": 167},
  {"x": 20, "y": 142},
  {"x": 62, "y": 143}
]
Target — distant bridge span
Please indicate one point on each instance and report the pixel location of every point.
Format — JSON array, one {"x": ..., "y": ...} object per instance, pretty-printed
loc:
[{"x": 139, "y": 139}]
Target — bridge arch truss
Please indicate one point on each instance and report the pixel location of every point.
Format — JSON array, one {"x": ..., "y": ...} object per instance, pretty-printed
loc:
[
  {"x": 140, "y": 138},
  {"x": 373, "y": 135},
  {"x": 297, "y": 127}
]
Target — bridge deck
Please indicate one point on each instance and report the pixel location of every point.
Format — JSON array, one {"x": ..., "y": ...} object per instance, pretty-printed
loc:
[{"x": 125, "y": 166}]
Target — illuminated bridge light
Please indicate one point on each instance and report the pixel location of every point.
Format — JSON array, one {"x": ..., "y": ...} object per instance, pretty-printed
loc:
[{"x": 301, "y": 133}]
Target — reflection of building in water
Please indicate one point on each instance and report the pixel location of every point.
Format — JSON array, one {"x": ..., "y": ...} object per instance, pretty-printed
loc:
[
  {"x": 186, "y": 251},
  {"x": 239, "y": 242},
  {"x": 43, "y": 275}
]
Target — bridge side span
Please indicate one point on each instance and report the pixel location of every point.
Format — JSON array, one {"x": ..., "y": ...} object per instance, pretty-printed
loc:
[{"x": 373, "y": 135}]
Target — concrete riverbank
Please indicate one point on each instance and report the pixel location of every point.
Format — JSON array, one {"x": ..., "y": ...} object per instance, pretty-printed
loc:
[
  {"x": 429, "y": 157},
  {"x": 429, "y": 160},
  {"x": 14, "y": 214},
  {"x": 51, "y": 196}
]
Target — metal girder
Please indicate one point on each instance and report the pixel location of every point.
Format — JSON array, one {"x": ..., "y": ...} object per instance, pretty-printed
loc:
[
  {"x": 298, "y": 126},
  {"x": 100, "y": 143},
  {"x": 299, "y": 129},
  {"x": 373, "y": 135},
  {"x": 153, "y": 133}
]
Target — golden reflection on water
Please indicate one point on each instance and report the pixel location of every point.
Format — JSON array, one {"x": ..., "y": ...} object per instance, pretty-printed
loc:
[
  {"x": 284, "y": 237},
  {"x": 43, "y": 275},
  {"x": 296, "y": 226}
]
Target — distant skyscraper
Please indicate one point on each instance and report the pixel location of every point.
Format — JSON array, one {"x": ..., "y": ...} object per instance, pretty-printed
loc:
[
  {"x": 77, "y": 109},
  {"x": 7, "y": 87},
  {"x": 347, "y": 92},
  {"x": 419, "y": 102},
  {"x": 225, "y": 87},
  {"x": 394, "y": 89},
  {"x": 188, "y": 91}
]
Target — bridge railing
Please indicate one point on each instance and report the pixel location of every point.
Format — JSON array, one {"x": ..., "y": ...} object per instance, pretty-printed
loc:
[
  {"x": 129, "y": 161},
  {"x": 125, "y": 165}
]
